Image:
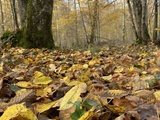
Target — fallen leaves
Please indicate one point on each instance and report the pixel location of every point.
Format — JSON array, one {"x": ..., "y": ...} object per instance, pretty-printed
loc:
[
  {"x": 39, "y": 78},
  {"x": 18, "y": 111},
  {"x": 116, "y": 83},
  {"x": 72, "y": 96}
]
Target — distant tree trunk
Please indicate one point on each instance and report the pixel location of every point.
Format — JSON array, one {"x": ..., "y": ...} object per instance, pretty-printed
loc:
[
  {"x": 158, "y": 20},
  {"x": 124, "y": 20},
  {"x": 37, "y": 28},
  {"x": 145, "y": 34},
  {"x": 155, "y": 20},
  {"x": 76, "y": 24},
  {"x": 132, "y": 19},
  {"x": 83, "y": 22},
  {"x": 98, "y": 23},
  {"x": 14, "y": 12},
  {"x": 2, "y": 16},
  {"x": 141, "y": 20},
  {"x": 22, "y": 4},
  {"x": 57, "y": 27},
  {"x": 137, "y": 7},
  {"x": 94, "y": 22}
]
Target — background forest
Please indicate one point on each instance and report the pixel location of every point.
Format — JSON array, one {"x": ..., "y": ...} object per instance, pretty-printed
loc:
[{"x": 76, "y": 23}]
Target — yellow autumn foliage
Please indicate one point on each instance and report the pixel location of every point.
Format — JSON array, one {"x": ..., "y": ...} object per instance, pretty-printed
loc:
[{"x": 18, "y": 111}]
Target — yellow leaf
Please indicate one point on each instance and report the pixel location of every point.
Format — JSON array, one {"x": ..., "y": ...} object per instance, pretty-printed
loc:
[
  {"x": 87, "y": 114},
  {"x": 119, "y": 69},
  {"x": 85, "y": 76},
  {"x": 93, "y": 62},
  {"x": 39, "y": 78},
  {"x": 157, "y": 95},
  {"x": 43, "y": 92},
  {"x": 131, "y": 69},
  {"x": 76, "y": 67},
  {"x": 38, "y": 74},
  {"x": 72, "y": 96},
  {"x": 24, "y": 84},
  {"x": 28, "y": 61},
  {"x": 46, "y": 91},
  {"x": 85, "y": 66},
  {"x": 116, "y": 109},
  {"x": 52, "y": 67},
  {"x": 144, "y": 72},
  {"x": 87, "y": 53},
  {"x": 107, "y": 78},
  {"x": 154, "y": 70},
  {"x": 66, "y": 79},
  {"x": 116, "y": 92},
  {"x": 45, "y": 106},
  {"x": 18, "y": 111},
  {"x": 142, "y": 63},
  {"x": 1, "y": 67},
  {"x": 39, "y": 92}
]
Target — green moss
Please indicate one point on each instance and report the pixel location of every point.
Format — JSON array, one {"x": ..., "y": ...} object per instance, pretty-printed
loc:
[
  {"x": 12, "y": 36},
  {"x": 6, "y": 35}
]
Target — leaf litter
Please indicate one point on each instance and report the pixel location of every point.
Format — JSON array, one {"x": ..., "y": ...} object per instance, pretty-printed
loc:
[{"x": 120, "y": 83}]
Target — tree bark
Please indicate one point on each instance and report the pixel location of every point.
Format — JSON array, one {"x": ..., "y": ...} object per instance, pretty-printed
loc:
[
  {"x": 155, "y": 19},
  {"x": 145, "y": 34},
  {"x": 37, "y": 28},
  {"x": 22, "y": 4},
  {"x": 83, "y": 22},
  {"x": 76, "y": 24},
  {"x": 94, "y": 23},
  {"x": 2, "y": 16},
  {"x": 132, "y": 19},
  {"x": 141, "y": 20},
  {"x": 14, "y": 12},
  {"x": 137, "y": 7}
]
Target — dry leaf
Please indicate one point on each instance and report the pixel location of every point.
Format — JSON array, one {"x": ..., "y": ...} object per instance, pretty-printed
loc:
[
  {"x": 39, "y": 78},
  {"x": 18, "y": 111},
  {"x": 72, "y": 96}
]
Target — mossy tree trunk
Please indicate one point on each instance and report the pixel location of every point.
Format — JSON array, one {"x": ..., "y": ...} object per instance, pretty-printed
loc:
[{"x": 37, "y": 28}]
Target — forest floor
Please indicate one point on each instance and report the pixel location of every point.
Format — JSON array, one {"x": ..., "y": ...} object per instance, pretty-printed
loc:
[{"x": 114, "y": 83}]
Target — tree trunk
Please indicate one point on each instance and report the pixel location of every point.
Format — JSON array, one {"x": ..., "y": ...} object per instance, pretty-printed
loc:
[
  {"x": 14, "y": 12},
  {"x": 94, "y": 23},
  {"x": 158, "y": 20},
  {"x": 132, "y": 19},
  {"x": 22, "y": 4},
  {"x": 145, "y": 34},
  {"x": 83, "y": 22},
  {"x": 2, "y": 16},
  {"x": 141, "y": 21},
  {"x": 155, "y": 19},
  {"x": 76, "y": 24},
  {"x": 37, "y": 28},
  {"x": 124, "y": 20},
  {"x": 137, "y": 7}
]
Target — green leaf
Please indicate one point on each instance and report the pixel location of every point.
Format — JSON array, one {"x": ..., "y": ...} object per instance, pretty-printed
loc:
[
  {"x": 78, "y": 112},
  {"x": 14, "y": 88},
  {"x": 89, "y": 104},
  {"x": 150, "y": 82},
  {"x": 157, "y": 76}
]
